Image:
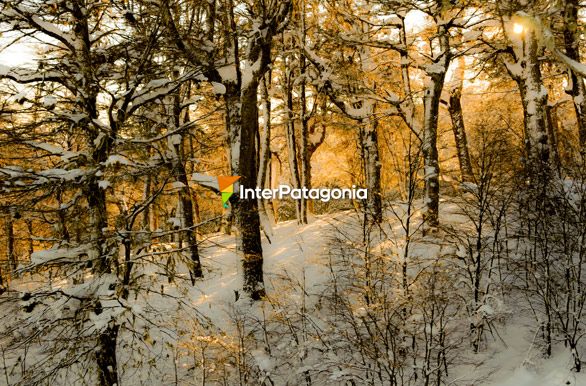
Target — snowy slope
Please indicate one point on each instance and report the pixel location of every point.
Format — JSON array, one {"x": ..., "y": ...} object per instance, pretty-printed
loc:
[
  {"x": 176, "y": 330},
  {"x": 300, "y": 254},
  {"x": 295, "y": 253}
]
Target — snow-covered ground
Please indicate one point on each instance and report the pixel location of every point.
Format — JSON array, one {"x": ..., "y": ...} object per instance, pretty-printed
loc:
[
  {"x": 512, "y": 359},
  {"x": 295, "y": 253},
  {"x": 300, "y": 253},
  {"x": 181, "y": 328}
]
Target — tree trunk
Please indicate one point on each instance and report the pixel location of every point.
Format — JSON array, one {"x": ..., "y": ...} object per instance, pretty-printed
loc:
[
  {"x": 369, "y": 141},
  {"x": 304, "y": 157},
  {"x": 552, "y": 125},
  {"x": 265, "y": 137},
  {"x": 317, "y": 135},
  {"x": 274, "y": 173},
  {"x": 227, "y": 221},
  {"x": 242, "y": 115},
  {"x": 372, "y": 168},
  {"x": 106, "y": 356},
  {"x": 180, "y": 174},
  {"x": 578, "y": 90},
  {"x": 184, "y": 194},
  {"x": 427, "y": 133},
  {"x": 431, "y": 101},
  {"x": 2, "y": 287},
  {"x": 458, "y": 127},
  {"x": 534, "y": 100},
  {"x": 194, "y": 198},
  {"x": 265, "y": 153},
  {"x": 292, "y": 145},
  {"x": 455, "y": 110},
  {"x": 62, "y": 229},
  {"x": 31, "y": 245},
  {"x": 103, "y": 249},
  {"x": 106, "y": 341},
  {"x": 304, "y": 152},
  {"x": 10, "y": 253}
]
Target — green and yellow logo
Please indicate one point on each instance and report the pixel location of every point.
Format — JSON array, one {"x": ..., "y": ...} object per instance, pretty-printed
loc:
[{"x": 226, "y": 186}]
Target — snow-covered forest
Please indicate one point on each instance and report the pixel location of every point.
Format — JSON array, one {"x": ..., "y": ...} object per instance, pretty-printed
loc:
[{"x": 125, "y": 260}]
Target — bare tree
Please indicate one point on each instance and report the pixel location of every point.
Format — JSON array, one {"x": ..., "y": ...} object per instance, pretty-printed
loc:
[
  {"x": 82, "y": 107},
  {"x": 235, "y": 69},
  {"x": 457, "y": 117}
]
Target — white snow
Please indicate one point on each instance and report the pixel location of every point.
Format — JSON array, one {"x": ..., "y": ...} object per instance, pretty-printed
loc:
[
  {"x": 298, "y": 253},
  {"x": 43, "y": 257},
  {"x": 296, "y": 262},
  {"x": 177, "y": 185},
  {"x": 53, "y": 149},
  {"x": 205, "y": 180},
  {"x": 228, "y": 73},
  {"x": 516, "y": 361},
  {"x": 175, "y": 222},
  {"x": 175, "y": 139},
  {"x": 218, "y": 88},
  {"x": 249, "y": 71},
  {"x": 435, "y": 68},
  {"x": 471, "y": 35},
  {"x": 49, "y": 101},
  {"x": 67, "y": 175},
  {"x": 117, "y": 159},
  {"x": 54, "y": 31},
  {"x": 430, "y": 172}
]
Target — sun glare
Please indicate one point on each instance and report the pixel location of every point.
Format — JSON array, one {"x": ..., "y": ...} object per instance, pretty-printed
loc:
[{"x": 518, "y": 28}]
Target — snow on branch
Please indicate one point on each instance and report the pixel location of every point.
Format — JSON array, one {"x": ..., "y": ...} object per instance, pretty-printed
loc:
[
  {"x": 548, "y": 40},
  {"x": 36, "y": 179},
  {"x": 54, "y": 150},
  {"x": 59, "y": 255},
  {"x": 24, "y": 76},
  {"x": 364, "y": 109},
  {"x": 206, "y": 181},
  {"x": 152, "y": 91},
  {"x": 577, "y": 67}
]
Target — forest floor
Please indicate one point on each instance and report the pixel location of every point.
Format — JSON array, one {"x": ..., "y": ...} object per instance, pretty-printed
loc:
[
  {"x": 298, "y": 257},
  {"x": 182, "y": 329}
]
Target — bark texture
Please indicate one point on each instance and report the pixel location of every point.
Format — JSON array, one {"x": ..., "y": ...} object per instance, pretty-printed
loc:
[
  {"x": 185, "y": 199},
  {"x": 431, "y": 102},
  {"x": 372, "y": 169},
  {"x": 96, "y": 196},
  {"x": 265, "y": 212},
  {"x": 459, "y": 129},
  {"x": 10, "y": 253},
  {"x": 184, "y": 195},
  {"x": 242, "y": 114},
  {"x": 526, "y": 72},
  {"x": 292, "y": 143},
  {"x": 571, "y": 34},
  {"x": 369, "y": 141},
  {"x": 457, "y": 118},
  {"x": 304, "y": 156}
]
